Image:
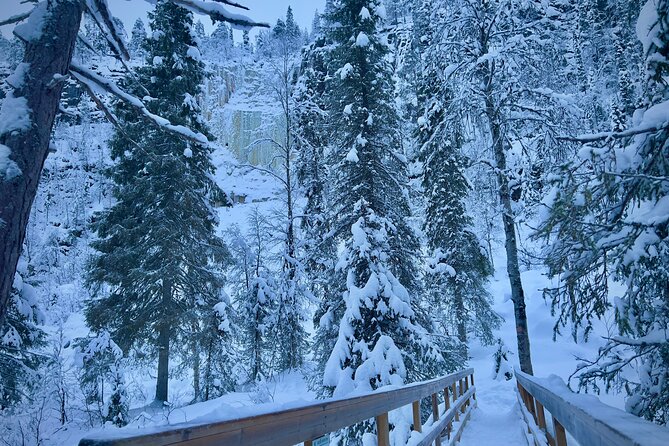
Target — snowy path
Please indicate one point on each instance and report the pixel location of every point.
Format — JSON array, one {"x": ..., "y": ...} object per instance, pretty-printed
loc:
[{"x": 496, "y": 420}]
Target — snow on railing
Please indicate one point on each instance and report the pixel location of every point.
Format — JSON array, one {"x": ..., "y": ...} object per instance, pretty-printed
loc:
[
  {"x": 589, "y": 421},
  {"x": 309, "y": 423}
]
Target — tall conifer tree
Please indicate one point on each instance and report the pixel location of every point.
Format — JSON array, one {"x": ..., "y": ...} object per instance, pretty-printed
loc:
[
  {"x": 157, "y": 252},
  {"x": 458, "y": 269},
  {"x": 381, "y": 339}
]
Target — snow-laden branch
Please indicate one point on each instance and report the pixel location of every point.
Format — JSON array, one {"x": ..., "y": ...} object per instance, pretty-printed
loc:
[
  {"x": 229, "y": 3},
  {"x": 99, "y": 11},
  {"x": 603, "y": 136},
  {"x": 15, "y": 18},
  {"x": 97, "y": 82},
  {"x": 219, "y": 13}
]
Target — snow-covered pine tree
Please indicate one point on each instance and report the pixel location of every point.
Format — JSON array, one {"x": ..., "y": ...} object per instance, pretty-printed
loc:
[
  {"x": 103, "y": 378},
  {"x": 458, "y": 269},
  {"x": 606, "y": 216},
  {"x": 255, "y": 295},
  {"x": 381, "y": 339},
  {"x": 218, "y": 46},
  {"x": 116, "y": 410},
  {"x": 312, "y": 173},
  {"x": 137, "y": 38},
  {"x": 290, "y": 338},
  {"x": 20, "y": 337},
  {"x": 157, "y": 252}
]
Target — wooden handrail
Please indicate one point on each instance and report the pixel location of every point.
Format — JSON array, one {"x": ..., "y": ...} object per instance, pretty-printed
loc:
[
  {"x": 308, "y": 422},
  {"x": 589, "y": 421}
]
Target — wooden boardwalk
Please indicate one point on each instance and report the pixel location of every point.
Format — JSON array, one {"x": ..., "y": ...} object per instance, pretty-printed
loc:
[{"x": 551, "y": 415}]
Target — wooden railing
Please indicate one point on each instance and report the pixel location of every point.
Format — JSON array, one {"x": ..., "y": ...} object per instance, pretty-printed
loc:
[
  {"x": 588, "y": 421},
  {"x": 310, "y": 422}
]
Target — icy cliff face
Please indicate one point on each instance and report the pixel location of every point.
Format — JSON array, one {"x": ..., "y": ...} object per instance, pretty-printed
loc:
[{"x": 241, "y": 107}]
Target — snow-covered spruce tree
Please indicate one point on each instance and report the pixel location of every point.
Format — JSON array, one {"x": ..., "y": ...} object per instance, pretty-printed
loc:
[
  {"x": 155, "y": 270},
  {"x": 289, "y": 336},
  {"x": 137, "y": 38},
  {"x": 381, "y": 338},
  {"x": 20, "y": 337},
  {"x": 607, "y": 218},
  {"x": 458, "y": 269},
  {"x": 103, "y": 377},
  {"x": 220, "y": 369},
  {"x": 255, "y": 295},
  {"x": 312, "y": 174}
]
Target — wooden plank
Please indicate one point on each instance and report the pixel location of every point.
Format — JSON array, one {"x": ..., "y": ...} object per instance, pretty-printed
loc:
[
  {"x": 417, "y": 423},
  {"x": 285, "y": 427},
  {"x": 591, "y": 422},
  {"x": 560, "y": 434},
  {"x": 541, "y": 415},
  {"x": 458, "y": 435},
  {"x": 383, "y": 430},
  {"x": 445, "y": 419},
  {"x": 447, "y": 404}
]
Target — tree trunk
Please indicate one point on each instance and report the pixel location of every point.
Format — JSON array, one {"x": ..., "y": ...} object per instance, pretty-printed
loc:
[
  {"x": 196, "y": 369},
  {"x": 47, "y": 56},
  {"x": 513, "y": 268},
  {"x": 461, "y": 320},
  {"x": 163, "y": 363},
  {"x": 164, "y": 336},
  {"x": 511, "y": 245}
]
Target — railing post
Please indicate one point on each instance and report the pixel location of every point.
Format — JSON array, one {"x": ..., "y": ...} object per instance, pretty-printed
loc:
[
  {"x": 541, "y": 416},
  {"x": 308, "y": 443},
  {"x": 382, "y": 430},
  {"x": 474, "y": 394},
  {"x": 466, "y": 390},
  {"x": 447, "y": 403},
  {"x": 417, "y": 423},
  {"x": 435, "y": 417},
  {"x": 455, "y": 398},
  {"x": 560, "y": 434},
  {"x": 462, "y": 392}
]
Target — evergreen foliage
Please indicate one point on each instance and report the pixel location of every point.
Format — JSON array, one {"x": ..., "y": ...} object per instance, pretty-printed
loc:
[
  {"x": 605, "y": 220},
  {"x": 20, "y": 338},
  {"x": 255, "y": 296},
  {"x": 458, "y": 268},
  {"x": 137, "y": 39},
  {"x": 155, "y": 271},
  {"x": 102, "y": 365},
  {"x": 381, "y": 338}
]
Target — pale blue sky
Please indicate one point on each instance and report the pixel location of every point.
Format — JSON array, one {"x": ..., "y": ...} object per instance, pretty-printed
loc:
[{"x": 129, "y": 10}]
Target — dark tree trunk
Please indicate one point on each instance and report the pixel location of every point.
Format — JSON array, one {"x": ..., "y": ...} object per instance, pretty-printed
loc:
[
  {"x": 511, "y": 245},
  {"x": 461, "y": 315},
  {"x": 513, "y": 269},
  {"x": 48, "y": 56},
  {"x": 196, "y": 364},
  {"x": 163, "y": 363},
  {"x": 164, "y": 335}
]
